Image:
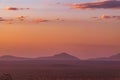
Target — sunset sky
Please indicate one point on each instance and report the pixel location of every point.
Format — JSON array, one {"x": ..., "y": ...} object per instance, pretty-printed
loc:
[{"x": 84, "y": 28}]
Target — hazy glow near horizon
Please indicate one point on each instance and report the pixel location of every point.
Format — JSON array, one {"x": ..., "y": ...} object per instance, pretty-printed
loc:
[{"x": 41, "y": 28}]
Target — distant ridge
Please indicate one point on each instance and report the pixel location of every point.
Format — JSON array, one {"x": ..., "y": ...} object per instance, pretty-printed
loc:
[
  {"x": 115, "y": 57},
  {"x": 9, "y": 57}
]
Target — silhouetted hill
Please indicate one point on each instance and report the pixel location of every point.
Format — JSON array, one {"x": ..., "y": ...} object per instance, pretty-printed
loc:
[
  {"x": 61, "y": 56},
  {"x": 64, "y": 56}
]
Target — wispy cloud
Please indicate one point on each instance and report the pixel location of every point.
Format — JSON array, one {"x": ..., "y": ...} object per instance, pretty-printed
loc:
[
  {"x": 15, "y": 8},
  {"x": 103, "y": 4},
  {"x": 1, "y": 19},
  {"x": 22, "y": 19},
  {"x": 39, "y": 20},
  {"x": 6, "y": 20},
  {"x": 103, "y": 17}
]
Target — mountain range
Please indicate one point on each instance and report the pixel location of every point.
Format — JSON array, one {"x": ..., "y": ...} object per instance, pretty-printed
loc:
[{"x": 62, "y": 57}]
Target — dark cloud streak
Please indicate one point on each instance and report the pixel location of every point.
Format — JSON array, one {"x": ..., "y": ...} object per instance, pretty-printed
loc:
[
  {"x": 15, "y": 8},
  {"x": 107, "y": 4}
]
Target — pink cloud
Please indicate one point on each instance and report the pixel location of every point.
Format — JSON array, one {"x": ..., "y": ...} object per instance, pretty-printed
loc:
[
  {"x": 21, "y": 18},
  {"x": 39, "y": 20},
  {"x": 103, "y": 17}
]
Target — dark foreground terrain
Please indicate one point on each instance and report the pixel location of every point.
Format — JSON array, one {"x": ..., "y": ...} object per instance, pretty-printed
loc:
[{"x": 55, "y": 70}]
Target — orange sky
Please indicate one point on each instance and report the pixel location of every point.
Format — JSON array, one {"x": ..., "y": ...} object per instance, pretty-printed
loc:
[
  {"x": 54, "y": 27},
  {"x": 51, "y": 38}
]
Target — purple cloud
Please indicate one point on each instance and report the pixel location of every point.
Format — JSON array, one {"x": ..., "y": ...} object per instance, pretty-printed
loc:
[{"x": 104, "y": 4}]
